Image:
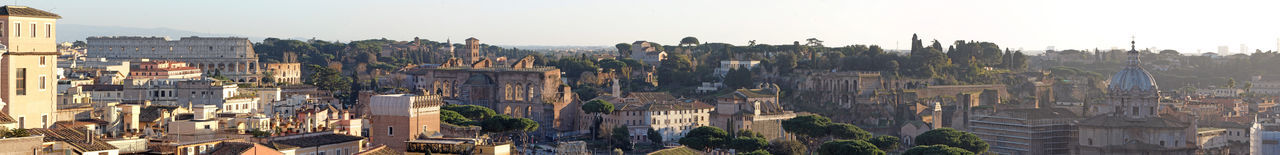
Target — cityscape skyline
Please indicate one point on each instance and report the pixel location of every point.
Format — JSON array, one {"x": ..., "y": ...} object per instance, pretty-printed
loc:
[{"x": 1031, "y": 26}]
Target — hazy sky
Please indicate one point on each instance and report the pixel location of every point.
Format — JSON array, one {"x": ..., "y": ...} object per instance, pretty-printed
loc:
[{"x": 1029, "y": 24}]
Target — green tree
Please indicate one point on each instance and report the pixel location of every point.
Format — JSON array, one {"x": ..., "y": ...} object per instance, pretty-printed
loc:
[
  {"x": 598, "y": 108},
  {"x": 329, "y": 79},
  {"x": 885, "y": 142},
  {"x": 689, "y": 41},
  {"x": 613, "y": 64},
  {"x": 1231, "y": 82},
  {"x": 738, "y": 78},
  {"x": 621, "y": 138},
  {"x": 268, "y": 78},
  {"x": 747, "y": 143},
  {"x": 849, "y": 147},
  {"x": 786, "y": 62},
  {"x": 655, "y": 137},
  {"x": 757, "y": 152},
  {"x": 676, "y": 71},
  {"x": 705, "y": 138},
  {"x": 847, "y": 131},
  {"x": 786, "y": 147},
  {"x": 954, "y": 138},
  {"x": 807, "y": 127},
  {"x": 453, "y": 117},
  {"x": 473, "y": 112},
  {"x": 356, "y": 86},
  {"x": 938, "y": 149},
  {"x": 624, "y": 49}
]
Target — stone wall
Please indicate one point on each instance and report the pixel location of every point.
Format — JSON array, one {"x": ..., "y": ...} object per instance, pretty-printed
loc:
[{"x": 21, "y": 145}]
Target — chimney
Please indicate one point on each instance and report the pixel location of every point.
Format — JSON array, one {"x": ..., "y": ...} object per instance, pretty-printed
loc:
[{"x": 88, "y": 138}]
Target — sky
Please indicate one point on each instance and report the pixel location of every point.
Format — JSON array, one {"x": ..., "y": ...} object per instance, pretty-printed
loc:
[{"x": 1186, "y": 26}]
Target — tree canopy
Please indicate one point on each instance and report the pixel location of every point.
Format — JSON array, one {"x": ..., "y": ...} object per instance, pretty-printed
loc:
[
  {"x": 954, "y": 138},
  {"x": 473, "y": 112},
  {"x": 848, "y": 131},
  {"x": 704, "y": 138},
  {"x": 452, "y": 117},
  {"x": 937, "y": 149},
  {"x": 621, "y": 138},
  {"x": 748, "y": 143},
  {"x": 885, "y": 142},
  {"x": 654, "y": 137},
  {"x": 848, "y": 147},
  {"x": 676, "y": 71},
  {"x": 598, "y": 106},
  {"x": 325, "y": 78},
  {"x": 808, "y": 125},
  {"x": 786, "y": 147},
  {"x": 688, "y": 41}
]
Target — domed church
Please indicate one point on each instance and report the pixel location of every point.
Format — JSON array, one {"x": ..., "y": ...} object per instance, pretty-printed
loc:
[{"x": 1129, "y": 120}]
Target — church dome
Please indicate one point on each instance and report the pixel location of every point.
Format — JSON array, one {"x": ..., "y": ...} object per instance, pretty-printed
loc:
[{"x": 1132, "y": 78}]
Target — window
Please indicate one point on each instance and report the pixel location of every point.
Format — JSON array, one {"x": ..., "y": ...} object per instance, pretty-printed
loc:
[
  {"x": 2, "y": 29},
  {"x": 33, "y": 30},
  {"x": 44, "y": 121},
  {"x": 21, "y": 81},
  {"x": 1135, "y": 110},
  {"x": 42, "y": 83},
  {"x": 17, "y": 29},
  {"x": 390, "y": 131},
  {"x": 207, "y": 127},
  {"x": 22, "y": 122},
  {"x": 48, "y": 30}
]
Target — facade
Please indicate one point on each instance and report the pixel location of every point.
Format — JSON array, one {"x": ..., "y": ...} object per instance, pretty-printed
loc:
[
  {"x": 1027, "y": 131},
  {"x": 1263, "y": 139},
  {"x": 727, "y": 65},
  {"x": 188, "y": 92},
  {"x": 757, "y": 110},
  {"x": 287, "y": 73},
  {"x": 231, "y": 57},
  {"x": 1128, "y": 122},
  {"x": 641, "y": 111},
  {"x": 841, "y": 87},
  {"x": 472, "y": 51},
  {"x": 28, "y": 65},
  {"x": 164, "y": 70},
  {"x": 1220, "y": 92},
  {"x": 401, "y": 117},
  {"x": 318, "y": 143},
  {"x": 518, "y": 90},
  {"x": 1269, "y": 85},
  {"x": 93, "y": 64}
]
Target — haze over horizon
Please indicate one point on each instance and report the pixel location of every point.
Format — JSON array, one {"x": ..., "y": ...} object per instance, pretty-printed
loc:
[{"x": 1030, "y": 25}]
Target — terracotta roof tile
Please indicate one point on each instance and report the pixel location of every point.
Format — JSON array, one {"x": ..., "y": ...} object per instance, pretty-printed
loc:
[
  {"x": 75, "y": 138},
  {"x": 316, "y": 140},
  {"x": 24, "y": 11},
  {"x": 4, "y": 118}
]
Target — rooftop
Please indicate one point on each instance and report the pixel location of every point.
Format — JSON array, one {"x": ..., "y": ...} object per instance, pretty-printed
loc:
[
  {"x": 313, "y": 140},
  {"x": 24, "y": 11},
  {"x": 75, "y": 138}
]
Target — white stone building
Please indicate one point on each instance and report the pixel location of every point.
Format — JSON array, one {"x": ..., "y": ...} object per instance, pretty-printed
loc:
[{"x": 228, "y": 56}]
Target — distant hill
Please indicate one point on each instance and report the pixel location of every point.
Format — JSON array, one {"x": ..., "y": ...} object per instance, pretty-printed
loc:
[
  {"x": 73, "y": 32},
  {"x": 558, "y": 48}
]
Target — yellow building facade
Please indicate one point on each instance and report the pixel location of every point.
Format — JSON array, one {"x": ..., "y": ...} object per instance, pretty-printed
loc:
[{"x": 27, "y": 66}]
